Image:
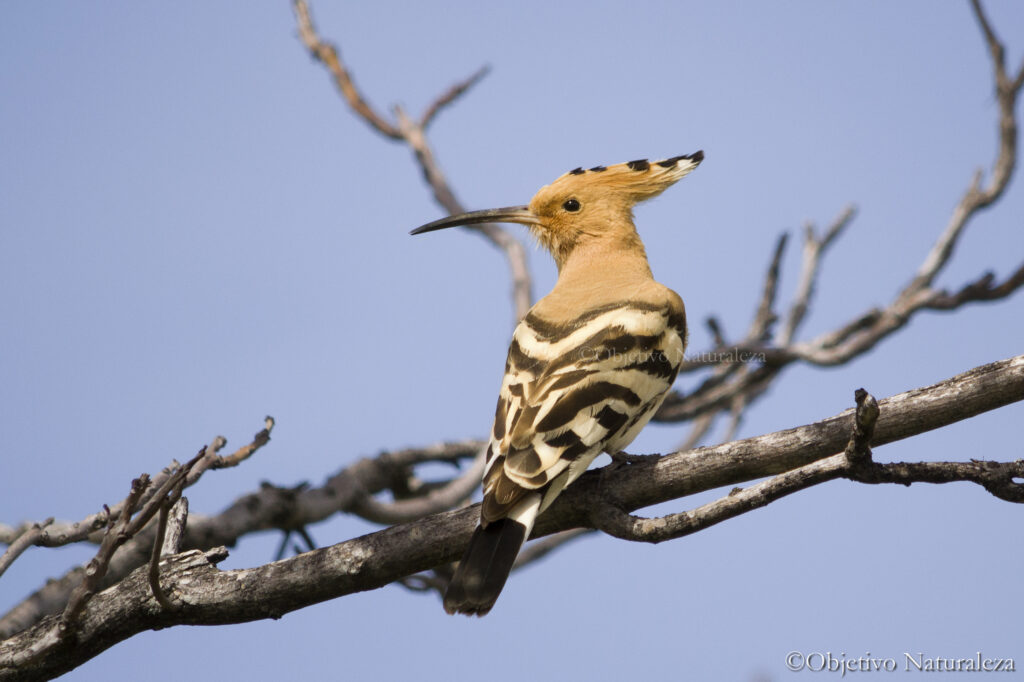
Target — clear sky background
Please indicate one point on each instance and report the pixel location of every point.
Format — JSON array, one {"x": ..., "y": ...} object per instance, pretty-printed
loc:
[{"x": 195, "y": 232}]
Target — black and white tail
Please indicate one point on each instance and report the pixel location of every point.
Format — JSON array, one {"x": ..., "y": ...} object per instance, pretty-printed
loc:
[{"x": 484, "y": 568}]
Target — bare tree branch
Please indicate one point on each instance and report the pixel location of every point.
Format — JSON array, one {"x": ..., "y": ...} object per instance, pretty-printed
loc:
[
  {"x": 522, "y": 296},
  {"x": 413, "y": 133},
  {"x": 726, "y": 374},
  {"x": 902, "y": 416},
  {"x": 854, "y": 463},
  {"x": 814, "y": 249},
  {"x": 328, "y": 55},
  {"x": 164, "y": 545},
  {"x": 868, "y": 329},
  {"x": 22, "y": 541},
  {"x": 66, "y": 532},
  {"x": 271, "y": 507},
  {"x": 609, "y": 518},
  {"x": 450, "y": 96},
  {"x": 97, "y": 566},
  {"x": 243, "y": 453},
  {"x": 208, "y": 596},
  {"x": 177, "y": 519},
  {"x": 126, "y": 528},
  {"x": 132, "y": 546},
  {"x": 451, "y": 495},
  {"x": 765, "y": 316}
]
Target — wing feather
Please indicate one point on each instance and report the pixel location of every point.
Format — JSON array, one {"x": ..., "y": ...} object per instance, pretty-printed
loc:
[{"x": 572, "y": 392}]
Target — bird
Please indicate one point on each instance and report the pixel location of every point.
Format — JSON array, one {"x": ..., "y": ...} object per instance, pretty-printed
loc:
[{"x": 588, "y": 365}]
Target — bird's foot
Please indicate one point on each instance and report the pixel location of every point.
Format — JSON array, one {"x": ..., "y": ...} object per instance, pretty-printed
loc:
[{"x": 622, "y": 459}]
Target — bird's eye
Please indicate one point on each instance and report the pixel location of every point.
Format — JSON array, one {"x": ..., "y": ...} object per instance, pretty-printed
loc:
[{"x": 571, "y": 205}]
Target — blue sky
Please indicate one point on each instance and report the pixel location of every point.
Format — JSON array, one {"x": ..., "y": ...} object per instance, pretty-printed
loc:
[{"x": 195, "y": 232}]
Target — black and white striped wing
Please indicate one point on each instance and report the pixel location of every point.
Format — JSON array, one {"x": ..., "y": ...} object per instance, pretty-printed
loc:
[{"x": 573, "y": 391}]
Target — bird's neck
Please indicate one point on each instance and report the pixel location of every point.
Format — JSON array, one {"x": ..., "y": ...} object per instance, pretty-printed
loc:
[
  {"x": 601, "y": 270},
  {"x": 621, "y": 255}
]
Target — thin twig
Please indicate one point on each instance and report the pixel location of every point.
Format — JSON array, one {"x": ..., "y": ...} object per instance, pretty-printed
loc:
[
  {"x": 246, "y": 451},
  {"x": 715, "y": 327},
  {"x": 981, "y": 290},
  {"x": 28, "y": 538},
  {"x": 451, "y": 95},
  {"x": 814, "y": 249},
  {"x": 154, "y": 564},
  {"x": 765, "y": 316},
  {"x": 328, "y": 55}
]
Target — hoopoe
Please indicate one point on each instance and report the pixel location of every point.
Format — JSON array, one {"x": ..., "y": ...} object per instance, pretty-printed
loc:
[{"x": 588, "y": 366}]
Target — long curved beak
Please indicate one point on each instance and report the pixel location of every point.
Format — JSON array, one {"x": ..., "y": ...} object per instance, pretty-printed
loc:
[{"x": 509, "y": 214}]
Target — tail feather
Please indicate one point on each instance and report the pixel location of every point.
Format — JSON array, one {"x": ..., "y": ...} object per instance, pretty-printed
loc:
[{"x": 484, "y": 568}]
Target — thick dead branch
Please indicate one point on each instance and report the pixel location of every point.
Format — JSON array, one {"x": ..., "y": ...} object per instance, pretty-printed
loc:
[
  {"x": 208, "y": 596},
  {"x": 269, "y": 508}
]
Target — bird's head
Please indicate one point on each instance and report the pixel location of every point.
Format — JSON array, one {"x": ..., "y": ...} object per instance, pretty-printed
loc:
[{"x": 583, "y": 204}]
